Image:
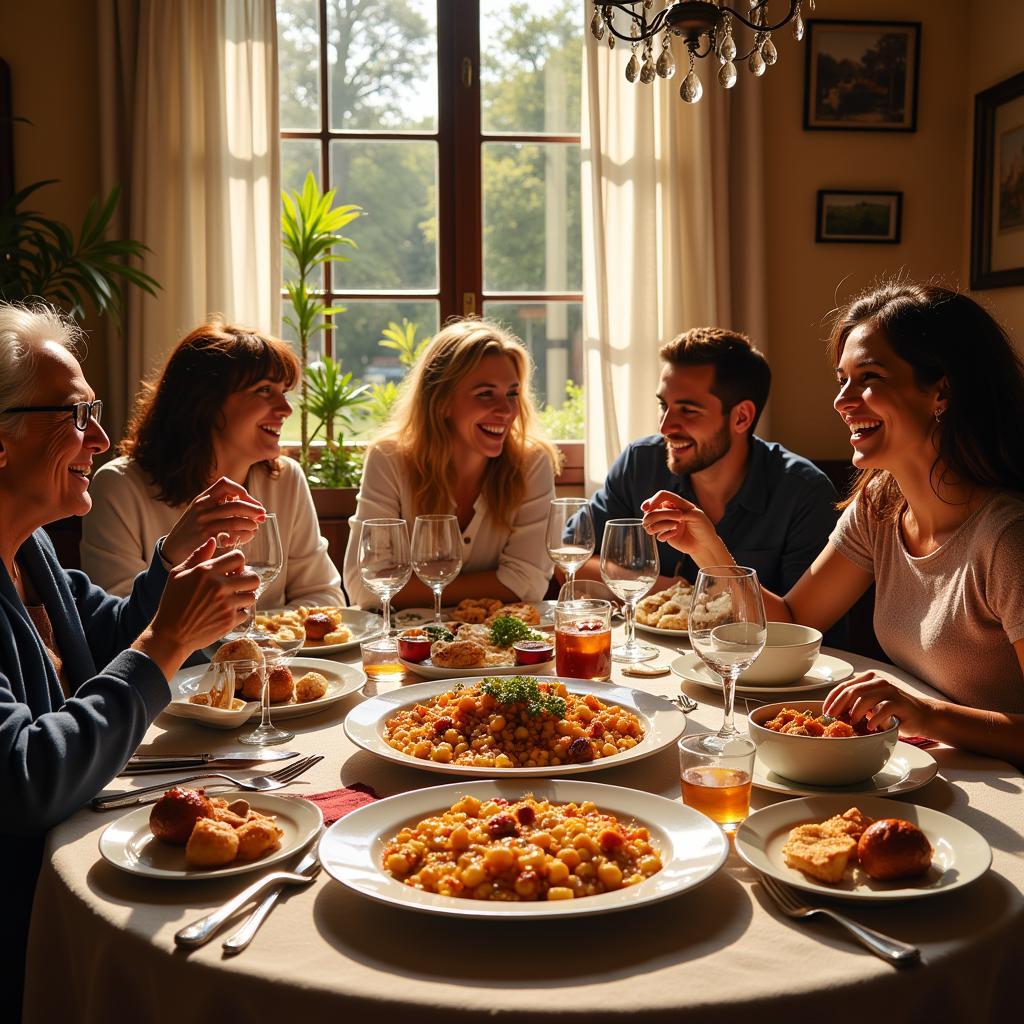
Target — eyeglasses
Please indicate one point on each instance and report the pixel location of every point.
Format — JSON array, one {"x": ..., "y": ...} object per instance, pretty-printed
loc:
[{"x": 81, "y": 412}]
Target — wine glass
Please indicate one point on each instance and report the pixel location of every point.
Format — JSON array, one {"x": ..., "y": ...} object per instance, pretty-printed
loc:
[
  {"x": 728, "y": 630},
  {"x": 436, "y": 554},
  {"x": 266, "y": 733},
  {"x": 264, "y": 556},
  {"x": 385, "y": 563},
  {"x": 570, "y": 535},
  {"x": 629, "y": 567}
]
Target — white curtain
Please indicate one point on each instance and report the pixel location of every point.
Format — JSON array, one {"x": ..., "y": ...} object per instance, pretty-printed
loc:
[
  {"x": 189, "y": 116},
  {"x": 664, "y": 184}
]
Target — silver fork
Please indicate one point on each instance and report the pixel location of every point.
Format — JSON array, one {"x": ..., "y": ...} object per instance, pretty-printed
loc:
[
  {"x": 259, "y": 784},
  {"x": 685, "y": 703},
  {"x": 900, "y": 954}
]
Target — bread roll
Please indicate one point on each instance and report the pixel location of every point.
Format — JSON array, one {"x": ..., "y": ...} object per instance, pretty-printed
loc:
[
  {"x": 175, "y": 814},
  {"x": 892, "y": 848},
  {"x": 318, "y": 625},
  {"x": 242, "y": 649}
]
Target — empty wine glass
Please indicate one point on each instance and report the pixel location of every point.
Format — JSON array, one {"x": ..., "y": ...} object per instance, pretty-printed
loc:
[
  {"x": 570, "y": 536},
  {"x": 436, "y": 554},
  {"x": 266, "y": 733},
  {"x": 385, "y": 564},
  {"x": 629, "y": 567},
  {"x": 728, "y": 631},
  {"x": 265, "y": 557}
]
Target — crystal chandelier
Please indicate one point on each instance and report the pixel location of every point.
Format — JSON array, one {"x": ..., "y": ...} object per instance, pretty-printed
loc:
[{"x": 706, "y": 27}]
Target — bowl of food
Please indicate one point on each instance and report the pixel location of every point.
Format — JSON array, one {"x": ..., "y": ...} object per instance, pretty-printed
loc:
[
  {"x": 798, "y": 741},
  {"x": 789, "y": 653},
  {"x": 414, "y": 645},
  {"x": 533, "y": 652}
]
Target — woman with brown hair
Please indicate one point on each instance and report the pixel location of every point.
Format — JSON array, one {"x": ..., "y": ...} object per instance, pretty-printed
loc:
[
  {"x": 936, "y": 519},
  {"x": 216, "y": 410},
  {"x": 463, "y": 439}
]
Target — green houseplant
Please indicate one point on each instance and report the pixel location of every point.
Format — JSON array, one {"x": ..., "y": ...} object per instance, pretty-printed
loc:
[
  {"x": 331, "y": 396},
  {"x": 41, "y": 257}
]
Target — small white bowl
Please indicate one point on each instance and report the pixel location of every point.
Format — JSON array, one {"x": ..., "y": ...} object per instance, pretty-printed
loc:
[
  {"x": 818, "y": 760},
  {"x": 788, "y": 655}
]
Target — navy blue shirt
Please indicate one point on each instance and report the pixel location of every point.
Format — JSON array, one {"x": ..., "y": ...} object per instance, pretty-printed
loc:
[{"x": 778, "y": 522}]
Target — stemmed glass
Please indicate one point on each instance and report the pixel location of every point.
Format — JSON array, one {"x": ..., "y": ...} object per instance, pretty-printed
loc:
[
  {"x": 436, "y": 554},
  {"x": 385, "y": 563},
  {"x": 629, "y": 567},
  {"x": 265, "y": 557},
  {"x": 728, "y": 631},
  {"x": 266, "y": 733},
  {"x": 570, "y": 536}
]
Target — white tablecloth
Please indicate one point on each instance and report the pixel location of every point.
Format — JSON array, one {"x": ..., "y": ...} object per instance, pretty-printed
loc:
[{"x": 101, "y": 946}]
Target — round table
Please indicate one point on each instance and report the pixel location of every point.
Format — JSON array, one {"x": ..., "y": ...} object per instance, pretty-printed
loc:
[{"x": 102, "y": 944}]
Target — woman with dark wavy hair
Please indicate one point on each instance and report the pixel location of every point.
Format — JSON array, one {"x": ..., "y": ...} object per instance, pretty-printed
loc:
[
  {"x": 215, "y": 410},
  {"x": 927, "y": 383}
]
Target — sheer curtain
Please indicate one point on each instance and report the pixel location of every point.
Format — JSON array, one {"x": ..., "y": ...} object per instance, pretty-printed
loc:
[
  {"x": 665, "y": 185},
  {"x": 189, "y": 120}
]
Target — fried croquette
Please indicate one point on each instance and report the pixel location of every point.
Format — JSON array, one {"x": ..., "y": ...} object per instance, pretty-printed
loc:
[
  {"x": 280, "y": 684},
  {"x": 234, "y": 814},
  {"x": 520, "y": 610},
  {"x": 258, "y": 836},
  {"x": 457, "y": 654},
  {"x": 818, "y": 853},
  {"x": 212, "y": 844},
  {"x": 251, "y": 686},
  {"x": 242, "y": 649},
  {"x": 311, "y": 686},
  {"x": 475, "y": 610}
]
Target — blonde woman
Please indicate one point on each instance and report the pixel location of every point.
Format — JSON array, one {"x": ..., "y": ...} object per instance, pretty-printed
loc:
[{"x": 463, "y": 440}]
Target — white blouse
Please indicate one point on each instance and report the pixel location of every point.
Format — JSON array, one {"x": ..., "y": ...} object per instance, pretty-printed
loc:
[{"x": 519, "y": 555}]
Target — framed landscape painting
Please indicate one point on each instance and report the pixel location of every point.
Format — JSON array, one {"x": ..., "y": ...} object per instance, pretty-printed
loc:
[
  {"x": 997, "y": 219},
  {"x": 859, "y": 217},
  {"x": 861, "y": 75}
]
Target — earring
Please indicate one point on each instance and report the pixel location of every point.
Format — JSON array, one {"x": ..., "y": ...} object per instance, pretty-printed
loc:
[{"x": 938, "y": 415}]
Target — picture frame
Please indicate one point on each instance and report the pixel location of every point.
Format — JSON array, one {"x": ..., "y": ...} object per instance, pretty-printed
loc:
[
  {"x": 871, "y": 217},
  {"x": 997, "y": 195},
  {"x": 861, "y": 76}
]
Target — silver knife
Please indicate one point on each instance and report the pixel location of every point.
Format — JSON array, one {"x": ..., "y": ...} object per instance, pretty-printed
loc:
[
  {"x": 229, "y": 755},
  {"x": 309, "y": 865}
]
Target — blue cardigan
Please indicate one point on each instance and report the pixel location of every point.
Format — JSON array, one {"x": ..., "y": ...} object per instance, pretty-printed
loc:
[{"x": 56, "y": 754}]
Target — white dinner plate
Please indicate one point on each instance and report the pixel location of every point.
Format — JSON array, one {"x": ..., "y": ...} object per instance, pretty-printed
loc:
[
  {"x": 961, "y": 854},
  {"x": 429, "y": 671},
  {"x": 908, "y": 768},
  {"x": 341, "y": 681},
  {"x": 409, "y": 617},
  {"x": 682, "y": 635},
  {"x": 362, "y": 624},
  {"x": 129, "y": 844},
  {"x": 691, "y": 846},
  {"x": 663, "y": 723},
  {"x": 826, "y": 671}
]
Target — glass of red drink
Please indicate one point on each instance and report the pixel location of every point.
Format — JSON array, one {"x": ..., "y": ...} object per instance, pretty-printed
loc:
[
  {"x": 583, "y": 639},
  {"x": 717, "y": 782}
]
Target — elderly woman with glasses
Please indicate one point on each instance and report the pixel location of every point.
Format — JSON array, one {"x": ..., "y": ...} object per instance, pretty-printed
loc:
[{"x": 83, "y": 674}]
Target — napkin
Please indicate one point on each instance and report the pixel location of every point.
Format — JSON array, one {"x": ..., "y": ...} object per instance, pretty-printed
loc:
[
  {"x": 336, "y": 803},
  {"x": 920, "y": 741}
]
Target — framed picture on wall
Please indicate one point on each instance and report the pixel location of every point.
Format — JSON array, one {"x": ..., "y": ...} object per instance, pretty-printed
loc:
[
  {"x": 997, "y": 216},
  {"x": 861, "y": 75},
  {"x": 873, "y": 217}
]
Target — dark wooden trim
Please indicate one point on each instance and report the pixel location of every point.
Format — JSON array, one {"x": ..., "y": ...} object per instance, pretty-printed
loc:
[{"x": 6, "y": 134}]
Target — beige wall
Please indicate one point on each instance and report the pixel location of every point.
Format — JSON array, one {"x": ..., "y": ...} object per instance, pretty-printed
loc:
[
  {"x": 996, "y": 53},
  {"x": 50, "y": 46},
  {"x": 806, "y": 279}
]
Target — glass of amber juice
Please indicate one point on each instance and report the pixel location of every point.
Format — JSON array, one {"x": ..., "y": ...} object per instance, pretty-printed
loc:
[
  {"x": 717, "y": 782},
  {"x": 381, "y": 658},
  {"x": 583, "y": 639}
]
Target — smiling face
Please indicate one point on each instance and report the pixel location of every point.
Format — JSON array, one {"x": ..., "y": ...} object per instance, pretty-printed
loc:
[
  {"x": 485, "y": 405},
  {"x": 891, "y": 419},
  {"x": 697, "y": 431},
  {"x": 47, "y": 466},
  {"x": 250, "y": 423}
]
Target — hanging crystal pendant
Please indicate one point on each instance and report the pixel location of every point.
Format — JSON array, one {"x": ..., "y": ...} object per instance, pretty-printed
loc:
[
  {"x": 727, "y": 51},
  {"x": 756, "y": 64},
  {"x": 770, "y": 54},
  {"x": 691, "y": 90},
  {"x": 727, "y": 75},
  {"x": 632, "y": 68},
  {"x": 666, "y": 66},
  {"x": 611, "y": 41},
  {"x": 798, "y": 27},
  {"x": 811, "y": 5},
  {"x": 647, "y": 74},
  {"x": 597, "y": 26}
]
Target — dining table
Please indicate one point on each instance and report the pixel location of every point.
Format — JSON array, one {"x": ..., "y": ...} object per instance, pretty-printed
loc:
[{"x": 102, "y": 947}]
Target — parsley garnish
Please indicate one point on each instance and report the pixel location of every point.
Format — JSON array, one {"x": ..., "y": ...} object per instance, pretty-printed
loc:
[
  {"x": 523, "y": 690},
  {"x": 436, "y": 633},
  {"x": 507, "y": 629}
]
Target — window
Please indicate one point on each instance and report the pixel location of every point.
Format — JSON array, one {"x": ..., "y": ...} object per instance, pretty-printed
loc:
[{"x": 455, "y": 125}]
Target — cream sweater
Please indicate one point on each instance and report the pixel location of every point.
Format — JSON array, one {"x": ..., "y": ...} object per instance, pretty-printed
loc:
[
  {"x": 950, "y": 617},
  {"x": 519, "y": 555},
  {"x": 127, "y": 519}
]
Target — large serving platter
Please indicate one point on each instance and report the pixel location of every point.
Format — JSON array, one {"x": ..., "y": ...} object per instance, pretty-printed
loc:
[
  {"x": 691, "y": 846},
  {"x": 663, "y": 723},
  {"x": 362, "y": 624},
  {"x": 129, "y": 844},
  {"x": 430, "y": 671},
  {"x": 961, "y": 855},
  {"x": 341, "y": 681}
]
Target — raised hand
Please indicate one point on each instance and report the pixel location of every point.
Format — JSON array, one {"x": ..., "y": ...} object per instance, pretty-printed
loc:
[
  {"x": 681, "y": 524},
  {"x": 225, "y": 511}
]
